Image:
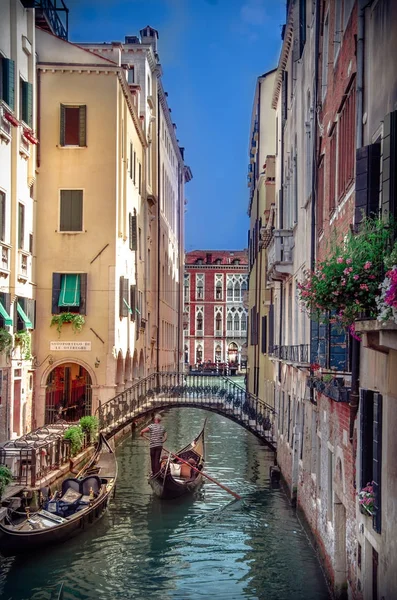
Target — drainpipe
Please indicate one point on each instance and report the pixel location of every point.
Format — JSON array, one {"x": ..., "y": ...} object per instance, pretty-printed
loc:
[
  {"x": 258, "y": 272},
  {"x": 158, "y": 235},
  {"x": 314, "y": 162},
  {"x": 355, "y": 391},
  {"x": 181, "y": 270},
  {"x": 281, "y": 225}
]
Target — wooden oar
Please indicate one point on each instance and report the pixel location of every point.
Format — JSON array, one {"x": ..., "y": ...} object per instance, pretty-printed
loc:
[{"x": 224, "y": 487}]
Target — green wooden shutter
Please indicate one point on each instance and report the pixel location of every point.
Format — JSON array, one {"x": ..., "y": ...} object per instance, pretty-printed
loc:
[
  {"x": 66, "y": 210},
  {"x": 27, "y": 103},
  {"x": 133, "y": 301},
  {"x": 82, "y": 125},
  {"x": 123, "y": 297},
  {"x": 377, "y": 461},
  {"x": 76, "y": 210},
  {"x": 62, "y": 126},
  {"x": 264, "y": 335},
  {"x": 131, "y": 158},
  {"x": 56, "y": 290},
  {"x": 9, "y": 82},
  {"x": 83, "y": 294},
  {"x": 133, "y": 232}
]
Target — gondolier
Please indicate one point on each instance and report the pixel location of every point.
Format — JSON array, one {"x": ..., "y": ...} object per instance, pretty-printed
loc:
[{"x": 158, "y": 436}]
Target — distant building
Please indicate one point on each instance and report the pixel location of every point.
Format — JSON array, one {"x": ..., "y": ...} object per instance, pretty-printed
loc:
[{"x": 215, "y": 313}]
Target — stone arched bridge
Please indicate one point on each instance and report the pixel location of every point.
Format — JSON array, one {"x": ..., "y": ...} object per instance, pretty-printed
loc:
[{"x": 209, "y": 392}]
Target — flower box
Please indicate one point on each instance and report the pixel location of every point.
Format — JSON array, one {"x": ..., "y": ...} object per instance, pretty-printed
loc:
[{"x": 11, "y": 119}]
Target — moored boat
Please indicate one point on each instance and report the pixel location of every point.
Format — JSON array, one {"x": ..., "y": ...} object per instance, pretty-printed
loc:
[
  {"x": 175, "y": 477},
  {"x": 81, "y": 502}
]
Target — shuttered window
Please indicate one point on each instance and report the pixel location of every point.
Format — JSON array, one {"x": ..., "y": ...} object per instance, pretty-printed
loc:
[
  {"x": 346, "y": 142},
  {"x": 124, "y": 297},
  {"x": 371, "y": 447},
  {"x": 132, "y": 231},
  {"x": 71, "y": 210},
  {"x": 5, "y": 310},
  {"x": 367, "y": 186},
  {"x": 134, "y": 167},
  {"x": 21, "y": 225},
  {"x": 271, "y": 329},
  {"x": 320, "y": 196},
  {"x": 131, "y": 159},
  {"x": 73, "y": 126},
  {"x": 2, "y": 216},
  {"x": 26, "y": 102},
  {"x": 139, "y": 178},
  {"x": 264, "y": 335},
  {"x": 7, "y": 81},
  {"x": 389, "y": 166},
  {"x": 69, "y": 293},
  {"x": 133, "y": 302}
]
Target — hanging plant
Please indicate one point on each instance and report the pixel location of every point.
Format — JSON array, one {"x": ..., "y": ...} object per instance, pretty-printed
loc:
[
  {"x": 23, "y": 339},
  {"x": 5, "y": 478},
  {"x": 5, "y": 341},
  {"x": 75, "y": 319},
  {"x": 75, "y": 436}
]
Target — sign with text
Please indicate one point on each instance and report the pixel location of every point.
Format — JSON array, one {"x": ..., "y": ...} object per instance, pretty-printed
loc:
[{"x": 70, "y": 346}]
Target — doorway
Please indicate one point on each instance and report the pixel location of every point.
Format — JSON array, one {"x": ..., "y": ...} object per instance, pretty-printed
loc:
[
  {"x": 16, "y": 421},
  {"x": 68, "y": 393}
]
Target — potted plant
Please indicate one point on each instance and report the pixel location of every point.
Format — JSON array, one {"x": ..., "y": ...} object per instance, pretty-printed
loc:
[
  {"x": 5, "y": 478},
  {"x": 23, "y": 339},
  {"x": 75, "y": 319},
  {"x": 366, "y": 499},
  {"x": 74, "y": 435},
  {"x": 89, "y": 425},
  {"x": 5, "y": 341}
]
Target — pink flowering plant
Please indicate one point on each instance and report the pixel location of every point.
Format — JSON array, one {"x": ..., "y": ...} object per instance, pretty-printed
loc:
[
  {"x": 387, "y": 301},
  {"x": 366, "y": 498},
  {"x": 346, "y": 283}
]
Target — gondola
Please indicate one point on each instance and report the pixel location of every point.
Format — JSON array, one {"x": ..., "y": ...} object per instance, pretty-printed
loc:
[
  {"x": 169, "y": 483},
  {"x": 79, "y": 504}
]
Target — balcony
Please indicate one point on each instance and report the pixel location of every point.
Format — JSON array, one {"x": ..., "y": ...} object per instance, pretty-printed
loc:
[
  {"x": 23, "y": 274},
  {"x": 379, "y": 336},
  {"x": 298, "y": 354},
  {"x": 199, "y": 333},
  {"x": 280, "y": 255},
  {"x": 218, "y": 333},
  {"x": 236, "y": 333},
  {"x": 47, "y": 16},
  {"x": 335, "y": 389}
]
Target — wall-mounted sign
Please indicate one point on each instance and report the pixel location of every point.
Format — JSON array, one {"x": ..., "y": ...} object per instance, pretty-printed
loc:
[{"x": 70, "y": 346}]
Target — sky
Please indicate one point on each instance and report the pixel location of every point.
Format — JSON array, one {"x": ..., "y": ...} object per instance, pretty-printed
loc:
[{"x": 211, "y": 52}]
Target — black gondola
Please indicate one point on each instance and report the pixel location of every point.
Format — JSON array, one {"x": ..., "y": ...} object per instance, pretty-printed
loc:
[
  {"x": 80, "y": 504},
  {"x": 167, "y": 484}
]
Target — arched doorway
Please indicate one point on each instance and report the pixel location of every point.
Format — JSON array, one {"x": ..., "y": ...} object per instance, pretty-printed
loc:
[
  {"x": 68, "y": 393},
  {"x": 233, "y": 353}
]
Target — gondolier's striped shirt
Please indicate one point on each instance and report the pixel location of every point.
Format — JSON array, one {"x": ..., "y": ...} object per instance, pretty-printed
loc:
[{"x": 156, "y": 434}]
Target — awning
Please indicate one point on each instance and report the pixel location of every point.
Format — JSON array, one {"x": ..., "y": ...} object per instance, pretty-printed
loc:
[
  {"x": 24, "y": 317},
  {"x": 70, "y": 291},
  {"x": 127, "y": 305},
  {"x": 5, "y": 315}
]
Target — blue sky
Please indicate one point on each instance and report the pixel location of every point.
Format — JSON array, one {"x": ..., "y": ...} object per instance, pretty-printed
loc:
[{"x": 211, "y": 52}]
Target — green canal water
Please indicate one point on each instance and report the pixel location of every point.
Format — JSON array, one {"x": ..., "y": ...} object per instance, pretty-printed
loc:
[{"x": 207, "y": 547}]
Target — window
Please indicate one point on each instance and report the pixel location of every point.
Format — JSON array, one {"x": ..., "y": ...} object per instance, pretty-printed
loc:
[
  {"x": 7, "y": 81},
  {"x": 229, "y": 323},
  {"x": 71, "y": 210},
  {"x": 21, "y": 225},
  {"x": 131, "y": 75},
  {"x": 186, "y": 287},
  {"x": 199, "y": 287},
  {"x": 199, "y": 323},
  {"x": 244, "y": 322},
  {"x": 2, "y": 216},
  {"x": 24, "y": 313},
  {"x": 230, "y": 291},
  {"x": 69, "y": 292},
  {"x": 320, "y": 196},
  {"x": 124, "y": 300},
  {"x": 132, "y": 231},
  {"x": 264, "y": 335},
  {"x": 236, "y": 323},
  {"x": 218, "y": 320},
  {"x": 140, "y": 242},
  {"x": 139, "y": 178},
  {"x": 218, "y": 353},
  {"x": 371, "y": 447},
  {"x": 302, "y": 25},
  {"x": 134, "y": 167},
  {"x": 237, "y": 292},
  {"x": 73, "y": 125},
  {"x": 131, "y": 159},
  {"x": 5, "y": 310},
  {"x": 346, "y": 142},
  {"x": 148, "y": 271},
  {"x": 332, "y": 171},
  {"x": 26, "y": 102},
  {"x": 199, "y": 353},
  {"x": 324, "y": 77}
]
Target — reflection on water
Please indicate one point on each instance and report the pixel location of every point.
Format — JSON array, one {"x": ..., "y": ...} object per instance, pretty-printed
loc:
[{"x": 203, "y": 547}]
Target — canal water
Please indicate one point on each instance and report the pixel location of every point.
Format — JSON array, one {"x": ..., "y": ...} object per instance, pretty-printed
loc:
[{"x": 208, "y": 547}]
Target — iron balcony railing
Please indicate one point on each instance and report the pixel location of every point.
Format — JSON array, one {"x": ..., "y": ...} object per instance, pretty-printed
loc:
[
  {"x": 214, "y": 392},
  {"x": 295, "y": 354}
]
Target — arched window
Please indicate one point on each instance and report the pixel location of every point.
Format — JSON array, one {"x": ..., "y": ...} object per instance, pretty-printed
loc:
[
  {"x": 199, "y": 322},
  {"x": 218, "y": 322},
  {"x": 218, "y": 353},
  {"x": 229, "y": 323},
  {"x": 230, "y": 291},
  {"x": 236, "y": 322},
  {"x": 243, "y": 322},
  {"x": 237, "y": 292},
  {"x": 199, "y": 353}
]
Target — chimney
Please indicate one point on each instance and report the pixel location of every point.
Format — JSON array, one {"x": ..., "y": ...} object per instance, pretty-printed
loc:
[
  {"x": 209, "y": 258},
  {"x": 150, "y": 36}
]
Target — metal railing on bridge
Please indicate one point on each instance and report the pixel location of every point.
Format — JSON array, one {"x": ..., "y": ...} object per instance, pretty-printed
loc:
[{"x": 207, "y": 391}]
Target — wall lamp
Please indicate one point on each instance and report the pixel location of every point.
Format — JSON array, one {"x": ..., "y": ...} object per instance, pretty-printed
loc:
[{"x": 97, "y": 362}]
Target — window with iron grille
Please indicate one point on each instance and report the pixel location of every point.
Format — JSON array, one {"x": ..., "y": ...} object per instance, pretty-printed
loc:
[
  {"x": 346, "y": 142},
  {"x": 73, "y": 125}
]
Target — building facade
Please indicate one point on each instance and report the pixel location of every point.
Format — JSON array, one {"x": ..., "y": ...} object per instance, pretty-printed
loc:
[
  {"x": 261, "y": 211},
  {"x": 18, "y": 194},
  {"x": 215, "y": 308}
]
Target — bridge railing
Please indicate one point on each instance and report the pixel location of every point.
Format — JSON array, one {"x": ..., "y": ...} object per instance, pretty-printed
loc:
[{"x": 214, "y": 392}]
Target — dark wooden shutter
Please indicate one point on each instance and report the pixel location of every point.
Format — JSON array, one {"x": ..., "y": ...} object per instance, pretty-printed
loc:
[
  {"x": 124, "y": 285},
  {"x": 271, "y": 329},
  {"x": 133, "y": 231},
  {"x": 56, "y": 290},
  {"x": 367, "y": 182},
  {"x": 377, "y": 460},
  {"x": 62, "y": 126},
  {"x": 9, "y": 82},
  {"x": 389, "y": 165},
  {"x": 264, "y": 335},
  {"x": 21, "y": 225},
  {"x": 139, "y": 178},
  {"x": 134, "y": 167},
  {"x": 133, "y": 301},
  {"x": 2, "y": 215},
  {"x": 77, "y": 210},
  {"x": 66, "y": 210},
  {"x": 83, "y": 294},
  {"x": 82, "y": 125}
]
